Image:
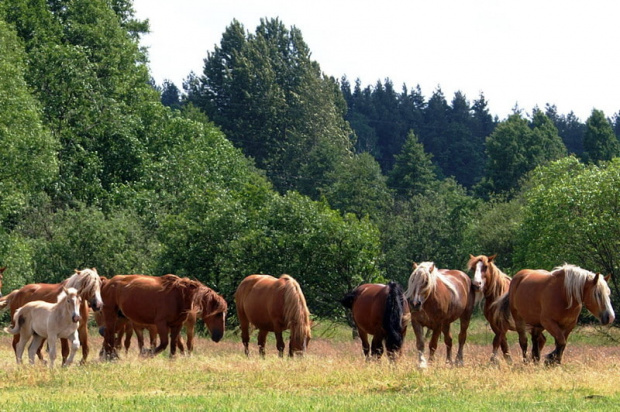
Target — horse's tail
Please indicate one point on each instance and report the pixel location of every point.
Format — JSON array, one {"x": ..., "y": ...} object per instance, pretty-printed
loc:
[
  {"x": 349, "y": 298},
  {"x": 5, "y": 301},
  {"x": 393, "y": 317},
  {"x": 500, "y": 313},
  {"x": 296, "y": 311},
  {"x": 19, "y": 321}
]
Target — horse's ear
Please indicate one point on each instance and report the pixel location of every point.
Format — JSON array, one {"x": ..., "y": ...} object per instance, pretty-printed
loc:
[
  {"x": 432, "y": 268},
  {"x": 415, "y": 266},
  {"x": 471, "y": 256},
  {"x": 2, "y": 269},
  {"x": 607, "y": 278},
  {"x": 596, "y": 278},
  {"x": 492, "y": 257}
]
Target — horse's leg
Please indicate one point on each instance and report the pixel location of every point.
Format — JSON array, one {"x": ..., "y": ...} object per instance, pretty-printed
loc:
[
  {"x": 535, "y": 333},
  {"x": 500, "y": 335},
  {"x": 83, "y": 333},
  {"x": 245, "y": 334},
  {"x": 280, "y": 344},
  {"x": 174, "y": 338},
  {"x": 162, "y": 330},
  {"x": 560, "y": 335},
  {"x": 377, "y": 346},
  {"x": 40, "y": 351},
  {"x": 432, "y": 345},
  {"x": 128, "y": 330},
  {"x": 75, "y": 345},
  {"x": 447, "y": 340},
  {"x": 262, "y": 338},
  {"x": 180, "y": 344},
  {"x": 110, "y": 315},
  {"x": 520, "y": 328},
  {"x": 19, "y": 347},
  {"x": 365, "y": 345},
  {"x": 34, "y": 347},
  {"x": 419, "y": 341},
  {"x": 462, "y": 338},
  {"x": 51, "y": 344},
  {"x": 189, "y": 332}
]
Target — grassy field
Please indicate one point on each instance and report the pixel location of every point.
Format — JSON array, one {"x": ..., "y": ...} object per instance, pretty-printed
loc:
[{"x": 332, "y": 376}]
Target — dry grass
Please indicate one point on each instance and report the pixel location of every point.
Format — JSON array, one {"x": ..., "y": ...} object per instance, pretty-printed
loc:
[{"x": 332, "y": 376}]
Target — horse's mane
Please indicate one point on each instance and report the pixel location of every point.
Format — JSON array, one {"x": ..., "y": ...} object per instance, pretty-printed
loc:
[
  {"x": 425, "y": 280},
  {"x": 197, "y": 292},
  {"x": 86, "y": 281},
  {"x": 574, "y": 281},
  {"x": 497, "y": 281},
  {"x": 296, "y": 312}
]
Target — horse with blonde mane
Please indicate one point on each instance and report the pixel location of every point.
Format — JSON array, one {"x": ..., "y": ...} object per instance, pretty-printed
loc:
[
  {"x": 438, "y": 297},
  {"x": 163, "y": 301},
  {"x": 88, "y": 284},
  {"x": 42, "y": 320},
  {"x": 539, "y": 300},
  {"x": 273, "y": 305}
]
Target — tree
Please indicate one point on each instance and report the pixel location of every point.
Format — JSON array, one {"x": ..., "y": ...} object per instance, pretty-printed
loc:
[
  {"x": 170, "y": 95},
  {"x": 599, "y": 143},
  {"x": 272, "y": 101},
  {"x": 413, "y": 172}
]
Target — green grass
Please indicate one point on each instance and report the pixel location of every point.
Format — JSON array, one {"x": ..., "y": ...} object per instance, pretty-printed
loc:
[{"x": 332, "y": 376}]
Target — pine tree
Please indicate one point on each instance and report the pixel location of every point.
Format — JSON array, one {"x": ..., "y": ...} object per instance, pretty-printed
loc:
[{"x": 599, "y": 143}]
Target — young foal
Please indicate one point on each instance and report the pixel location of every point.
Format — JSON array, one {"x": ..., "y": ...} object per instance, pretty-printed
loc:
[{"x": 43, "y": 320}]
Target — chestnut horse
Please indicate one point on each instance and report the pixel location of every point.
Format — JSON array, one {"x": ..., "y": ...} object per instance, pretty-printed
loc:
[
  {"x": 540, "y": 300},
  {"x": 379, "y": 310},
  {"x": 493, "y": 284},
  {"x": 273, "y": 305},
  {"x": 42, "y": 320},
  {"x": 438, "y": 297},
  {"x": 162, "y": 301},
  {"x": 124, "y": 330},
  {"x": 88, "y": 284}
]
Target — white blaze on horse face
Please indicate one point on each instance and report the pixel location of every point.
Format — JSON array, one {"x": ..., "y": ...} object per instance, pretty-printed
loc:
[{"x": 478, "y": 279}]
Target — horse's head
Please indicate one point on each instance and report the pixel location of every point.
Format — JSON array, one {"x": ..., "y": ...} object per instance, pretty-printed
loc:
[
  {"x": 1, "y": 278},
  {"x": 72, "y": 301},
  {"x": 88, "y": 284},
  {"x": 597, "y": 299},
  {"x": 421, "y": 283},
  {"x": 300, "y": 338},
  {"x": 214, "y": 309},
  {"x": 480, "y": 265}
]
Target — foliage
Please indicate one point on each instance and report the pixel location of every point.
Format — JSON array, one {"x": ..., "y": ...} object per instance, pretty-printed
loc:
[
  {"x": 413, "y": 172},
  {"x": 570, "y": 216},
  {"x": 599, "y": 143}
]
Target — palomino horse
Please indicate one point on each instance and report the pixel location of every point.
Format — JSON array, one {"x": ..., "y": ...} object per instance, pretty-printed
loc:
[
  {"x": 493, "y": 284},
  {"x": 379, "y": 310},
  {"x": 273, "y": 305},
  {"x": 438, "y": 297},
  {"x": 541, "y": 300},
  {"x": 162, "y": 301},
  {"x": 1, "y": 278},
  {"x": 88, "y": 284},
  {"x": 42, "y": 320}
]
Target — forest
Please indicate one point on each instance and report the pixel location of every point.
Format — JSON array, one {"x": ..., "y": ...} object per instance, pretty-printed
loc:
[{"x": 262, "y": 163}]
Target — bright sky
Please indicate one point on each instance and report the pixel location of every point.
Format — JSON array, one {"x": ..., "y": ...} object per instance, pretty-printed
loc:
[{"x": 525, "y": 53}]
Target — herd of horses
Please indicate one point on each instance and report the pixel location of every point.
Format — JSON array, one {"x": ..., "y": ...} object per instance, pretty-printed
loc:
[{"x": 530, "y": 302}]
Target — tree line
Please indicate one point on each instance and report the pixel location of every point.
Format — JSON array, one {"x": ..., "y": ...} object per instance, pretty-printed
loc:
[{"x": 264, "y": 164}]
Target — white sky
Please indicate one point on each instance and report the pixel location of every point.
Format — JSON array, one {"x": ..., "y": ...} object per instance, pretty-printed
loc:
[{"x": 527, "y": 52}]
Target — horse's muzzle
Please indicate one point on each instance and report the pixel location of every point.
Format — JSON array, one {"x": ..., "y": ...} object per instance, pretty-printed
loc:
[
  {"x": 76, "y": 318},
  {"x": 606, "y": 319},
  {"x": 94, "y": 305},
  {"x": 216, "y": 335}
]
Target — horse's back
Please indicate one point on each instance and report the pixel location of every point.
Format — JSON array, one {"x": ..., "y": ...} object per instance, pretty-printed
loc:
[
  {"x": 47, "y": 292},
  {"x": 257, "y": 299},
  {"x": 526, "y": 294},
  {"x": 369, "y": 307}
]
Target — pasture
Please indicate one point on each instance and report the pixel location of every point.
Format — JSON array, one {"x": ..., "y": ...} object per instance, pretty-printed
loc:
[{"x": 332, "y": 376}]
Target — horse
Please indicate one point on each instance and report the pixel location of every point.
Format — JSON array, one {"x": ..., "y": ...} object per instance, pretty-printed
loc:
[
  {"x": 163, "y": 301},
  {"x": 124, "y": 330},
  {"x": 1, "y": 278},
  {"x": 494, "y": 284},
  {"x": 438, "y": 297},
  {"x": 273, "y": 305},
  {"x": 540, "y": 300},
  {"x": 379, "y": 310},
  {"x": 42, "y": 320},
  {"x": 88, "y": 284}
]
